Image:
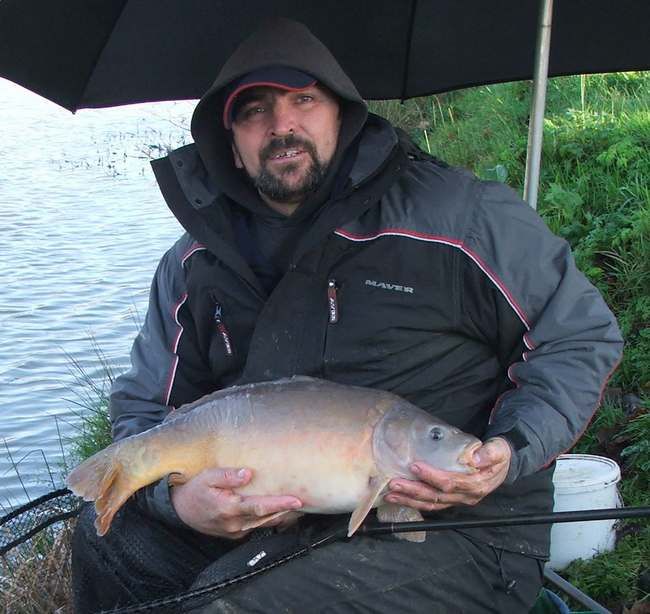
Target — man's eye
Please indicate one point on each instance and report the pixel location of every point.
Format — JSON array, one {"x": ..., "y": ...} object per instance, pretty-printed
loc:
[
  {"x": 250, "y": 112},
  {"x": 306, "y": 98}
]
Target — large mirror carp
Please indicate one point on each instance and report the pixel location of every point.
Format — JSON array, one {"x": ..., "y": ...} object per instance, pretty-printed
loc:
[{"x": 335, "y": 447}]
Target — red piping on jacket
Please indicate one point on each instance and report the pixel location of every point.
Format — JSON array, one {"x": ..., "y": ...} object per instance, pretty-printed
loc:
[
  {"x": 491, "y": 275},
  {"x": 174, "y": 348},
  {"x": 420, "y": 236},
  {"x": 195, "y": 247}
]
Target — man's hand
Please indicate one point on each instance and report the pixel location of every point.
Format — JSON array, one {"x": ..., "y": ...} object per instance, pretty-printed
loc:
[
  {"x": 208, "y": 504},
  {"x": 438, "y": 489}
]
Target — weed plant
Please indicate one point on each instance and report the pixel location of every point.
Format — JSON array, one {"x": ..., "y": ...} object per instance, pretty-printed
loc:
[{"x": 92, "y": 401}]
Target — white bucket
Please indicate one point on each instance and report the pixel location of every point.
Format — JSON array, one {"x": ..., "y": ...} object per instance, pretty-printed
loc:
[{"x": 583, "y": 482}]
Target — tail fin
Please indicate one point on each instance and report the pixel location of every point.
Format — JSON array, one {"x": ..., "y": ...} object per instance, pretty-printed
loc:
[{"x": 101, "y": 479}]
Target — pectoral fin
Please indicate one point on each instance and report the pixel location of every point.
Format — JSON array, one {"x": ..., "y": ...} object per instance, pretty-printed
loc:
[
  {"x": 391, "y": 512},
  {"x": 375, "y": 487}
]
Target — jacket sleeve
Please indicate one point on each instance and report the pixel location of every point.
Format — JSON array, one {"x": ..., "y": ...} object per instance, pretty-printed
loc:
[
  {"x": 557, "y": 339},
  {"x": 166, "y": 371}
]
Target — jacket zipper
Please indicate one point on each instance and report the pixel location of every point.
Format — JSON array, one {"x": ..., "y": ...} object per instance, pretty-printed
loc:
[
  {"x": 221, "y": 327},
  {"x": 332, "y": 301}
]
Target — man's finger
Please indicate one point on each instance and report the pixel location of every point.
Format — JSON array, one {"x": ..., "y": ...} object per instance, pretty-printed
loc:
[
  {"x": 419, "y": 491},
  {"x": 264, "y": 506},
  {"x": 415, "y": 490},
  {"x": 226, "y": 477},
  {"x": 445, "y": 481},
  {"x": 492, "y": 452},
  {"x": 227, "y": 503},
  {"x": 424, "y": 506},
  {"x": 443, "y": 499}
]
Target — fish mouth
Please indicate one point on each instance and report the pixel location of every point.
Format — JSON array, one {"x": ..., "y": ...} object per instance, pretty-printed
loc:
[{"x": 466, "y": 456}]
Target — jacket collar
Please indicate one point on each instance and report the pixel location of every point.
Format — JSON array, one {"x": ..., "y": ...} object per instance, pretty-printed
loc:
[{"x": 203, "y": 209}]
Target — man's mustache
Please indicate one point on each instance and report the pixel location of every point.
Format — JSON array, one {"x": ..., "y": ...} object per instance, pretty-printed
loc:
[{"x": 287, "y": 142}]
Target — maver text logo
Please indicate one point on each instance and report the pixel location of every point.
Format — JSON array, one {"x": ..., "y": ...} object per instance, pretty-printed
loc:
[{"x": 387, "y": 286}]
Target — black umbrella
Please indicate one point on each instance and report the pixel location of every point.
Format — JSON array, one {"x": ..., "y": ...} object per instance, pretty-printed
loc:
[{"x": 99, "y": 53}]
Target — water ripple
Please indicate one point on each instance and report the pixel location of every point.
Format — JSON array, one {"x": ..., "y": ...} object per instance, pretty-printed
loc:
[{"x": 83, "y": 227}]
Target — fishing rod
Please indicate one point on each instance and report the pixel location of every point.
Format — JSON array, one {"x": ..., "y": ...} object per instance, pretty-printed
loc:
[
  {"x": 382, "y": 528},
  {"x": 339, "y": 531}
]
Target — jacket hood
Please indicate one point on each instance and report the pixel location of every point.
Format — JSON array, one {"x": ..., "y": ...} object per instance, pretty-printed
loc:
[{"x": 279, "y": 42}]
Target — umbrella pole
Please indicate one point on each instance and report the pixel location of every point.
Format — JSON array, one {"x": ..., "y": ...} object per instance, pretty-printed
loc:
[{"x": 536, "y": 124}]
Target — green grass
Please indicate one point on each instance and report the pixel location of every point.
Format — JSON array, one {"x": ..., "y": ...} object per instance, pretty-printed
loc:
[
  {"x": 636, "y": 460},
  {"x": 94, "y": 432},
  {"x": 612, "y": 578},
  {"x": 609, "y": 419}
]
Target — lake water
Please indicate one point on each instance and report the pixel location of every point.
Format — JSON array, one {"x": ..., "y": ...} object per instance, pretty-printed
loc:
[{"x": 82, "y": 227}]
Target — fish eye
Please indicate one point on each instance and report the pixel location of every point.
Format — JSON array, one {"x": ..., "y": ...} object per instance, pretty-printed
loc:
[{"x": 436, "y": 433}]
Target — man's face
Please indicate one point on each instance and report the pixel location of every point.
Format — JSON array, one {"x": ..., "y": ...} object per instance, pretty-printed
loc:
[{"x": 285, "y": 140}]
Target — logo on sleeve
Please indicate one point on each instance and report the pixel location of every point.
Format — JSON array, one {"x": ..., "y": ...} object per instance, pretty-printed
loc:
[{"x": 386, "y": 286}]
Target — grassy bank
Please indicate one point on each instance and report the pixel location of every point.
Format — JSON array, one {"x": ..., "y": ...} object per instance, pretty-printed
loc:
[{"x": 595, "y": 192}]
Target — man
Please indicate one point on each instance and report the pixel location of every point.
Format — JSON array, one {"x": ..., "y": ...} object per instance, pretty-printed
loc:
[{"x": 320, "y": 241}]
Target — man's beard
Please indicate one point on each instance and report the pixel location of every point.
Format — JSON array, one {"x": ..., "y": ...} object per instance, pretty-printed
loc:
[{"x": 274, "y": 186}]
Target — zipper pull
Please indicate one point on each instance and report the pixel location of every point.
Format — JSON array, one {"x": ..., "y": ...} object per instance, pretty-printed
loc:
[
  {"x": 223, "y": 331},
  {"x": 332, "y": 301}
]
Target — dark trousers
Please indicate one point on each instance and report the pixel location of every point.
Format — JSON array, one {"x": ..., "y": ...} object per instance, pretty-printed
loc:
[{"x": 141, "y": 559}]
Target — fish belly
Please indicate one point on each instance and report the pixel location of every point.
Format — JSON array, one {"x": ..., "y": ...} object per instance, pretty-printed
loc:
[
  {"x": 328, "y": 472},
  {"x": 303, "y": 437}
]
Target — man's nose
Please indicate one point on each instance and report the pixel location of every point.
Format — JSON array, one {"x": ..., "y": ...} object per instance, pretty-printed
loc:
[{"x": 283, "y": 118}]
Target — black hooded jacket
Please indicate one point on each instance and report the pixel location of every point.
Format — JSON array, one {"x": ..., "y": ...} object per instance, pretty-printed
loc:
[{"x": 406, "y": 275}]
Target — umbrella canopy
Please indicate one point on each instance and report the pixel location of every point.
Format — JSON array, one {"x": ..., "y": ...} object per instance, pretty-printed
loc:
[{"x": 99, "y": 53}]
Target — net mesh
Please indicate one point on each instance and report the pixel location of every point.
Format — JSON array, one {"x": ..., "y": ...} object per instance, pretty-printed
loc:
[
  {"x": 35, "y": 561},
  {"x": 35, "y": 555},
  {"x": 23, "y": 523}
]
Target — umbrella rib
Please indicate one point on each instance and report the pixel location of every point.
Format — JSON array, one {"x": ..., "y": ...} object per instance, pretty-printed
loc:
[
  {"x": 99, "y": 55},
  {"x": 407, "y": 58}
]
